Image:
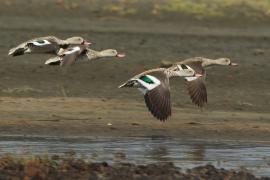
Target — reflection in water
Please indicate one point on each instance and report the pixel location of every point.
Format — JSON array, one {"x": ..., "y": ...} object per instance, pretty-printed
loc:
[
  {"x": 159, "y": 154},
  {"x": 119, "y": 156},
  {"x": 182, "y": 152},
  {"x": 197, "y": 153}
]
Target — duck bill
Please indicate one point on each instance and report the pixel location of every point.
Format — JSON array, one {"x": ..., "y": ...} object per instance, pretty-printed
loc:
[
  {"x": 120, "y": 55},
  {"x": 233, "y": 64},
  {"x": 87, "y": 43},
  {"x": 198, "y": 75}
]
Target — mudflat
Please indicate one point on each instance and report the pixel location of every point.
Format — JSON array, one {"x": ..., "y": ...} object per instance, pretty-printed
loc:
[
  {"x": 121, "y": 118},
  {"x": 83, "y": 100}
]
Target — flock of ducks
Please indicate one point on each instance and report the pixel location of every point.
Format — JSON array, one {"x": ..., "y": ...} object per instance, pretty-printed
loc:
[
  {"x": 153, "y": 83},
  {"x": 67, "y": 51}
]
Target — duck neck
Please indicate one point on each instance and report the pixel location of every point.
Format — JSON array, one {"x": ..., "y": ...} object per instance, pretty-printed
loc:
[
  {"x": 92, "y": 54},
  {"x": 209, "y": 62},
  {"x": 62, "y": 42}
]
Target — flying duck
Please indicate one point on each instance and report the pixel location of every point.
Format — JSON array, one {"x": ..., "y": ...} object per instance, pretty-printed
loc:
[
  {"x": 196, "y": 85},
  {"x": 154, "y": 84},
  {"x": 48, "y": 44},
  {"x": 70, "y": 55}
]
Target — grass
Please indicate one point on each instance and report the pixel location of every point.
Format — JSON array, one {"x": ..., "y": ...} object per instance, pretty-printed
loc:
[
  {"x": 253, "y": 10},
  {"x": 199, "y": 9}
]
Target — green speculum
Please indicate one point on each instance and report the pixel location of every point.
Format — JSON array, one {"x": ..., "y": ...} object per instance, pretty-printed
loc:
[
  {"x": 40, "y": 41},
  {"x": 147, "y": 79}
]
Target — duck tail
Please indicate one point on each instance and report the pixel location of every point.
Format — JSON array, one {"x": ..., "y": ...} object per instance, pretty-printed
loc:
[
  {"x": 130, "y": 83},
  {"x": 122, "y": 85},
  {"x": 54, "y": 61}
]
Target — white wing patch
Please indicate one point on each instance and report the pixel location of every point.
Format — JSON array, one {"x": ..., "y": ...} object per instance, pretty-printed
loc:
[
  {"x": 53, "y": 60},
  {"x": 73, "y": 50},
  {"x": 184, "y": 66},
  {"x": 148, "y": 86},
  {"x": 191, "y": 78},
  {"x": 41, "y": 43}
]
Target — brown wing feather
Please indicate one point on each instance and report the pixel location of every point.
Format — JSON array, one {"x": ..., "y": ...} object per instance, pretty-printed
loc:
[
  {"x": 158, "y": 102},
  {"x": 197, "y": 91},
  {"x": 197, "y": 88},
  {"x": 68, "y": 59}
]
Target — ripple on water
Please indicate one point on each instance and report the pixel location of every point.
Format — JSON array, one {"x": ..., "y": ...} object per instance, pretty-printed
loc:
[{"x": 253, "y": 156}]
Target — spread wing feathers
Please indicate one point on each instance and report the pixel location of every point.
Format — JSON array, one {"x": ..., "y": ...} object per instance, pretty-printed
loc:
[
  {"x": 69, "y": 59},
  {"x": 196, "y": 66},
  {"x": 197, "y": 91},
  {"x": 39, "y": 42},
  {"x": 158, "y": 102},
  {"x": 54, "y": 61},
  {"x": 70, "y": 55}
]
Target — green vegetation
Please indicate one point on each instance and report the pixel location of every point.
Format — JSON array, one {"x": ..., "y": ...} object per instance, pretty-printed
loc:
[
  {"x": 254, "y": 10},
  {"x": 220, "y": 8},
  {"x": 199, "y": 9}
]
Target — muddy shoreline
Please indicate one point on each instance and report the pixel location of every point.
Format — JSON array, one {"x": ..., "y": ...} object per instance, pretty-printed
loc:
[
  {"x": 68, "y": 167},
  {"x": 100, "y": 117}
]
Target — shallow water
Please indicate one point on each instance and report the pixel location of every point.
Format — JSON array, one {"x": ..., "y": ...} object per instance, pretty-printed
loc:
[{"x": 253, "y": 156}]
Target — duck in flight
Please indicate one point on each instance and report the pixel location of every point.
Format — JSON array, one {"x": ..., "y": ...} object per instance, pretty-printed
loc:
[
  {"x": 70, "y": 55},
  {"x": 196, "y": 85},
  {"x": 48, "y": 45},
  {"x": 154, "y": 85}
]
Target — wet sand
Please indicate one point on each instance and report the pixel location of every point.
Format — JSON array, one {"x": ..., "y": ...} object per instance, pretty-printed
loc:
[{"x": 121, "y": 118}]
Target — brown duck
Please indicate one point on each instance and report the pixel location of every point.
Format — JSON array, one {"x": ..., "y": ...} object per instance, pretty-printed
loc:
[
  {"x": 154, "y": 84},
  {"x": 70, "y": 55},
  {"x": 196, "y": 85},
  {"x": 48, "y": 45}
]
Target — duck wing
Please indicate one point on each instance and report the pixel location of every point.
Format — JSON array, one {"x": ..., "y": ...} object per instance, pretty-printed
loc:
[
  {"x": 197, "y": 91},
  {"x": 158, "y": 102},
  {"x": 196, "y": 85},
  {"x": 38, "y": 45},
  {"x": 70, "y": 55}
]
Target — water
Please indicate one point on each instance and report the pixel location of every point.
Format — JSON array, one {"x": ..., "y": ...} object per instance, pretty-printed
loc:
[{"x": 253, "y": 156}]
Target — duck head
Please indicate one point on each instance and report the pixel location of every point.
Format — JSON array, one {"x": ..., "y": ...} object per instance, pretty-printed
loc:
[
  {"x": 225, "y": 62},
  {"x": 78, "y": 40},
  {"x": 111, "y": 53}
]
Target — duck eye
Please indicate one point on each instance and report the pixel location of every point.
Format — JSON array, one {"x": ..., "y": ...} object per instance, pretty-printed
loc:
[{"x": 184, "y": 66}]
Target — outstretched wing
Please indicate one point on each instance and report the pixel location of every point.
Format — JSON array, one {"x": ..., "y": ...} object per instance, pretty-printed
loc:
[
  {"x": 54, "y": 61},
  {"x": 197, "y": 91},
  {"x": 38, "y": 45},
  {"x": 70, "y": 55},
  {"x": 158, "y": 102},
  {"x": 196, "y": 85}
]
